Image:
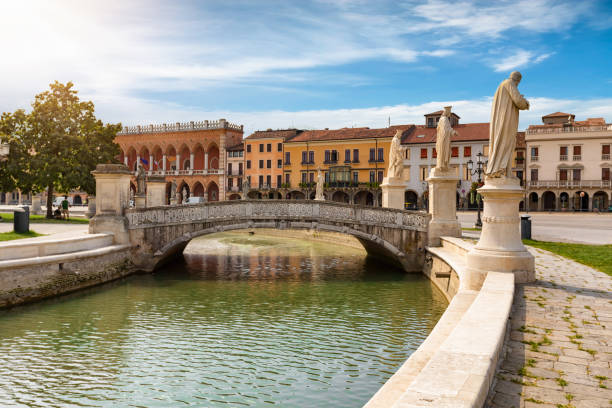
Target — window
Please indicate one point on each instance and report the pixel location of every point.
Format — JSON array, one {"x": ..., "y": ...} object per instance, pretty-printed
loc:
[
  {"x": 248, "y": 164},
  {"x": 534, "y": 154},
  {"x": 466, "y": 173},
  {"x": 304, "y": 175},
  {"x": 576, "y": 174},
  {"x": 240, "y": 169},
  {"x": 240, "y": 153},
  {"x": 434, "y": 153},
  {"x": 605, "y": 152},
  {"x": 260, "y": 181},
  {"x": 563, "y": 153},
  {"x": 467, "y": 151},
  {"x": 534, "y": 174},
  {"x": 279, "y": 147},
  {"x": 380, "y": 176},
  {"x": 279, "y": 181},
  {"x": 268, "y": 181},
  {"x": 605, "y": 173},
  {"x": 577, "y": 153},
  {"x": 239, "y": 182},
  {"x": 381, "y": 154},
  {"x": 356, "y": 155},
  {"x": 230, "y": 182},
  {"x": 407, "y": 154},
  {"x": 287, "y": 158},
  {"x": 311, "y": 157},
  {"x": 372, "y": 176},
  {"x": 454, "y": 152},
  {"x": 279, "y": 163},
  {"x": 423, "y": 153},
  {"x": 334, "y": 156},
  {"x": 287, "y": 178},
  {"x": 327, "y": 156},
  {"x": 311, "y": 177},
  {"x": 261, "y": 147},
  {"x": 229, "y": 168},
  {"x": 347, "y": 155},
  {"x": 304, "y": 157},
  {"x": 268, "y": 164},
  {"x": 423, "y": 173},
  {"x": 372, "y": 154},
  {"x": 355, "y": 175},
  {"x": 563, "y": 174},
  {"x": 261, "y": 164},
  {"x": 248, "y": 148},
  {"x": 430, "y": 122},
  {"x": 269, "y": 147},
  {"x": 327, "y": 177}
]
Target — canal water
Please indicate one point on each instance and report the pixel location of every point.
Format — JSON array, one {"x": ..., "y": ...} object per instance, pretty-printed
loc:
[{"x": 242, "y": 321}]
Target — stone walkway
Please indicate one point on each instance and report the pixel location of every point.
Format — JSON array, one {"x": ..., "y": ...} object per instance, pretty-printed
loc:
[{"x": 559, "y": 351}]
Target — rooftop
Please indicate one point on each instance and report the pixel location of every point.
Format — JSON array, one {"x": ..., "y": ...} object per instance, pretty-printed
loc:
[
  {"x": 349, "y": 133},
  {"x": 465, "y": 132},
  {"x": 235, "y": 148},
  {"x": 557, "y": 115},
  {"x": 284, "y": 134},
  {"x": 180, "y": 127}
]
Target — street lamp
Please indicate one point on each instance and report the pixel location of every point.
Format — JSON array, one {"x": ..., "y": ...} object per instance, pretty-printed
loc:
[{"x": 480, "y": 164}]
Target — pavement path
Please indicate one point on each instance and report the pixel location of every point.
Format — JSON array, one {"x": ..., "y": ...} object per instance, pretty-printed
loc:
[
  {"x": 559, "y": 349},
  {"x": 586, "y": 228},
  {"x": 49, "y": 229}
]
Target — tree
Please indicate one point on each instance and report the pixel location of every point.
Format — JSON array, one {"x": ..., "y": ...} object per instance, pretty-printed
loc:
[{"x": 63, "y": 142}]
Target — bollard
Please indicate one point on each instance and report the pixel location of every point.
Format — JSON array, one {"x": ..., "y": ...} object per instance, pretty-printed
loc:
[
  {"x": 21, "y": 220},
  {"x": 525, "y": 227}
]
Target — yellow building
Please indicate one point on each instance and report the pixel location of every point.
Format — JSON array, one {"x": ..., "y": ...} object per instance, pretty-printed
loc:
[{"x": 353, "y": 160}]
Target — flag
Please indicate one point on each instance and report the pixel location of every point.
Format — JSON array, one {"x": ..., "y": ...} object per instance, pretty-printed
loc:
[{"x": 145, "y": 161}]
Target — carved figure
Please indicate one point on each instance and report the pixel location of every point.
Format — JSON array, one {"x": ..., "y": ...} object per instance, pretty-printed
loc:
[
  {"x": 504, "y": 124},
  {"x": 396, "y": 161},
  {"x": 140, "y": 180},
  {"x": 320, "y": 184},
  {"x": 184, "y": 194},
  {"x": 245, "y": 188},
  {"x": 173, "y": 189},
  {"x": 444, "y": 133}
]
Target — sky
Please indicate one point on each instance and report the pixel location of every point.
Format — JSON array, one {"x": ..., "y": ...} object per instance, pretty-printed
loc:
[{"x": 308, "y": 64}]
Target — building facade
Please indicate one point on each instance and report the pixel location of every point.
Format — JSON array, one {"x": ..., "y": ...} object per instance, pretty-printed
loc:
[
  {"x": 234, "y": 172},
  {"x": 568, "y": 164},
  {"x": 190, "y": 155}
]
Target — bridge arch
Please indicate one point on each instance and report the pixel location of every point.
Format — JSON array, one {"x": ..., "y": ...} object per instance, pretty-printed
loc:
[{"x": 159, "y": 233}]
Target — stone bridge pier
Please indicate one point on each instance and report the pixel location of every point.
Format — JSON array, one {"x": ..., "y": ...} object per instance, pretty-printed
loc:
[{"x": 160, "y": 232}]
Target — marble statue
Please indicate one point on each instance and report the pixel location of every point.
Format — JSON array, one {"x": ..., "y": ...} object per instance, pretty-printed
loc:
[
  {"x": 444, "y": 133},
  {"x": 396, "y": 161},
  {"x": 184, "y": 194},
  {"x": 173, "y": 190},
  {"x": 504, "y": 124},
  {"x": 140, "y": 180},
  {"x": 245, "y": 188},
  {"x": 320, "y": 184}
]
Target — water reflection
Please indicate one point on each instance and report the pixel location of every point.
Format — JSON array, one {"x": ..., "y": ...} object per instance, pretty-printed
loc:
[{"x": 257, "y": 321}]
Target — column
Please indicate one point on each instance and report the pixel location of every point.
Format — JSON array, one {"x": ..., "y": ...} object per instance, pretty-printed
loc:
[
  {"x": 150, "y": 162},
  {"x": 178, "y": 163},
  {"x": 164, "y": 163},
  {"x": 191, "y": 166},
  {"x": 125, "y": 160},
  {"x": 206, "y": 161},
  {"x": 137, "y": 163}
]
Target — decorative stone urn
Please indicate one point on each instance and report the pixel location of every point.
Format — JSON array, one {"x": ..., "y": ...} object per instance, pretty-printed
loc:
[
  {"x": 500, "y": 248},
  {"x": 442, "y": 198}
]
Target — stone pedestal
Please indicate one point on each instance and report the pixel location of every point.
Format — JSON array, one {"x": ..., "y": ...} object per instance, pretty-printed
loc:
[
  {"x": 500, "y": 248},
  {"x": 91, "y": 206},
  {"x": 140, "y": 200},
  {"x": 442, "y": 206},
  {"x": 393, "y": 192},
  {"x": 156, "y": 191},
  {"x": 113, "y": 193},
  {"x": 36, "y": 205}
]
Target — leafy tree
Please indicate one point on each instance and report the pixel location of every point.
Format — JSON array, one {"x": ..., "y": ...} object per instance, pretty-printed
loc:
[{"x": 62, "y": 140}]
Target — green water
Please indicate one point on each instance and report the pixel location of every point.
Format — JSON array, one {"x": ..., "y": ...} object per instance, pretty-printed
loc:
[{"x": 244, "y": 321}]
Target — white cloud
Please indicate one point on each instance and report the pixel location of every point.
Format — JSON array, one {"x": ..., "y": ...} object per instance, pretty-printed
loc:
[{"x": 520, "y": 58}]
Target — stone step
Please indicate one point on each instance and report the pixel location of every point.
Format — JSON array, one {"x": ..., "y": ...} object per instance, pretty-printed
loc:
[
  {"x": 55, "y": 244},
  {"x": 456, "y": 245}
]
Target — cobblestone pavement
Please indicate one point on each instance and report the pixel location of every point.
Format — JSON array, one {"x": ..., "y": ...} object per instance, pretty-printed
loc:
[{"x": 559, "y": 349}]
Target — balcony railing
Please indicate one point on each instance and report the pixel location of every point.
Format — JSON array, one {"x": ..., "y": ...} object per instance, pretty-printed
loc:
[
  {"x": 233, "y": 189},
  {"x": 563, "y": 157},
  {"x": 534, "y": 158},
  {"x": 570, "y": 129},
  {"x": 184, "y": 172},
  {"x": 605, "y": 157},
  {"x": 577, "y": 157},
  {"x": 569, "y": 184}
]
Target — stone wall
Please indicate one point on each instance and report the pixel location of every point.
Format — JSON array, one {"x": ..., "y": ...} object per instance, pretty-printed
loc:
[{"x": 32, "y": 279}]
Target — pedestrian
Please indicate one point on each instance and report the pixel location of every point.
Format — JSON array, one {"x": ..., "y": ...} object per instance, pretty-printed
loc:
[{"x": 65, "y": 205}]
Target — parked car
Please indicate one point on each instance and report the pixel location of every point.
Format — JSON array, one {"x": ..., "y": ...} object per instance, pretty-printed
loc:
[
  {"x": 195, "y": 200},
  {"x": 58, "y": 201}
]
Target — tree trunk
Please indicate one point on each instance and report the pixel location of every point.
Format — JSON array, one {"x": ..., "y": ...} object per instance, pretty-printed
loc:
[{"x": 50, "y": 201}]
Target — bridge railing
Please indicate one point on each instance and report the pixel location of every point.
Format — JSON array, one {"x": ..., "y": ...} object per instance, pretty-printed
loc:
[{"x": 294, "y": 210}]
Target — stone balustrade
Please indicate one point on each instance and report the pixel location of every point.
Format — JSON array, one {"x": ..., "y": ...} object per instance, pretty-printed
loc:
[{"x": 181, "y": 127}]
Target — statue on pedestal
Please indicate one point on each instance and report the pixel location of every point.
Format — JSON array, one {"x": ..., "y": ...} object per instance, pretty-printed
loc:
[
  {"x": 504, "y": 124},
  {"x": 320, "y": 184},
  {"x": 140, "y": 180},
  {"x": 396, "y": 161},
  {"x": 444, "y": 133},
  {"x": 245, "y": 188}
]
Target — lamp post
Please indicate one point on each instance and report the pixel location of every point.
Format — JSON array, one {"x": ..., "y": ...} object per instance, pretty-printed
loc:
[{"x": 480, "y": 164}]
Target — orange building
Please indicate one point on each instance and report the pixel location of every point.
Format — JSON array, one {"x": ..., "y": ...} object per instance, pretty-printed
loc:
[
  {"x": 192, "y": 155},
  {"x": 264, "y": 158}
]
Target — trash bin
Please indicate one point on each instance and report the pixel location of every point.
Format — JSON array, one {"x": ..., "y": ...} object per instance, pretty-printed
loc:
[
  {"x": 525, "y": 226},
  {"x": 21, "y": 220}
]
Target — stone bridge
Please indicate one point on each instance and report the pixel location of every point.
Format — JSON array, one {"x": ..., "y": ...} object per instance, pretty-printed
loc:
[{"x": 158, "y": 233}]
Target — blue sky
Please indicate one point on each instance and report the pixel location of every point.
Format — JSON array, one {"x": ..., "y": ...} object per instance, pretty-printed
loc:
[{"x": 277, "y": 64}]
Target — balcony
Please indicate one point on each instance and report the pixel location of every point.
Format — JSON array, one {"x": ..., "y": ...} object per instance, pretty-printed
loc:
[
  {"x": 605, "y": 157},
  {"x": 533, "y": 184},
  {"x": 534, "y": 158},
  {"x": 577, "y": 157},
  {"x": 308, "y": 162},
  {"x": 563, "y": 157},
  {"x": 330, "y": 162},
  {"x": 233, "y": 189},
  {"x": 569, "y": 129}
]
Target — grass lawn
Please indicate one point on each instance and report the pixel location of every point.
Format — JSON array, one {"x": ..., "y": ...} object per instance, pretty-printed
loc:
[
  {"x": 471, "y": 229},
  {"x": 595, "y": 256},
  {"x": 9, "y": 236},
  {"x": 8, "y": 217}
]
